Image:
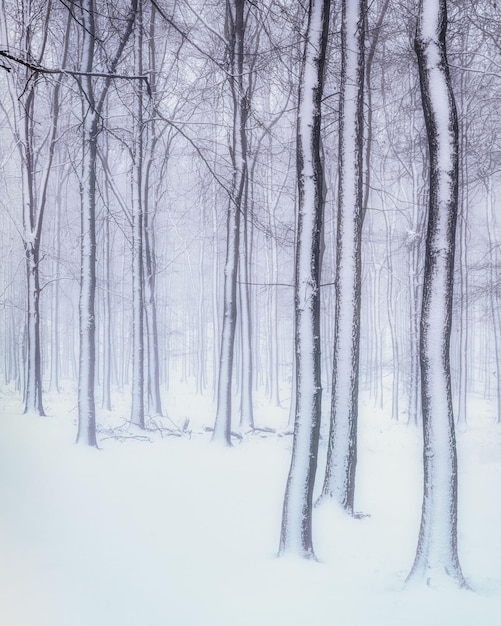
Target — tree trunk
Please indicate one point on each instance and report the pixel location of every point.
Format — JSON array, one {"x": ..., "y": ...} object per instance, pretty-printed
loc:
[
  {"x": 33, "y": 376},
  {"x": 150, "y": 289},
  {"x": 494, "y": 298},
  {"x": 92, "y": 104},
  {"x": 107, "y": 309},
  {"x": 246, "y": 385},
  {"x": 235, "y": 26},
  {"x": 86, "y": 374},
  {"x": 35, "y": 187},
  {"x": 296, "y": 532},
  {"x": 137, "y": 408},
  {"x": 342, "y": 451},
  {"x": 436, "y": 556}
]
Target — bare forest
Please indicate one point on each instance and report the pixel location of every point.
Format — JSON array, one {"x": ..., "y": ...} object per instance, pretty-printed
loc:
[{"x": 250, "y": 307}]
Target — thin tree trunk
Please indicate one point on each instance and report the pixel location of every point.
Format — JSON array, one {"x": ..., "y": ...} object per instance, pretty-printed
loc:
[
  {"x": 246, "y": 405},
  {"x": 86, "y": 373},
  {"x": 137, "y": 407},
  {"x": 33, "y": 376},
  {"x": 235, "y": 27},
  {"x": 92, "y": 104},
  {"x": 35, "y": 188},
  {"x": 150, "y": 284},
  {"x": 494, "y": 297},
  {"x": 54, "y": 360},
  {"x": 107, "y": 343},
  {"x": 393, "y": 320}
]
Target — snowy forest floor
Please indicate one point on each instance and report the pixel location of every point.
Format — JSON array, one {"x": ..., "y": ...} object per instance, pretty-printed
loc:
[{"x": 173, "y": 531}]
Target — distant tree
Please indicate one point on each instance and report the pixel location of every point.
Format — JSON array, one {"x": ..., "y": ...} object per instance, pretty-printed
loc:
[
  {"x": 94, "y": 92},
  {"x": 153, "y": 134},
  {"x": 138, "y": 201},
  {"x": 235, "y": 34},
  {"x": 296, "y": 533},
  {"x": 36, "y": 142},
  {"x": 436, "y": 555}
]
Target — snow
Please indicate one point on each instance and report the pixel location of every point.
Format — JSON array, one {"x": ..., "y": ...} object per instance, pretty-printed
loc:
[{"x": 177, "y": 531}]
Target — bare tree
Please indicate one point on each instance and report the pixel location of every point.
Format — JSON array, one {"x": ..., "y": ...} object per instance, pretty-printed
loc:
[
  {"x": 436, "y": 555},
  {"x": 36, "y": 151},
  {"x": 296, "y": 532},
  {"x": 339, "y": 480},
  {"x": 93, "y": 101},
  {"x": 137, "y": 407},
  {"x": 235, "y": 33}
]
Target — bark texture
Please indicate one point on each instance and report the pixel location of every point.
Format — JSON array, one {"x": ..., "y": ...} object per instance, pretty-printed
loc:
[
  {"x": 235, "y": 31},
  {"x": 339, "y": 480},
  {"x": 296, "y": 535},
  {"x": 436, "y": 556}
]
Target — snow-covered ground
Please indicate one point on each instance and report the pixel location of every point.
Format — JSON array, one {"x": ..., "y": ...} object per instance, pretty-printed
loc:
[{"x": 174, "y": 531}]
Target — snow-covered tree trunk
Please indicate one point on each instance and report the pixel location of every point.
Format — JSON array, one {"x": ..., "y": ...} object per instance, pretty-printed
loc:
[
  {"x": 235, "y": 30},
  {"x": 339, "y": 480},
  {"x": 296, "y": 531},
  {"x": 87, "y": 357},
  {"x": 86, "y": 433},
  {"x": 137, "y": 407},
  {"x": 436, "y": 556}
]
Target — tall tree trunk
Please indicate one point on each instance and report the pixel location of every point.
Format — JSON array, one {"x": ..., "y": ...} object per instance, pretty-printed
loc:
[
  {"x": 33, "y": 367},
  {"x": 150, "y": 284},
  {"x": 235, "y": 32},
  {"x": 436, "y": 556},
  {"x": 35, "y": 183},
  {"x": 296, "y": 532},
  {"x": 137, "y": 408},
  {"x": 339, "y": 480},
  {"x": 463, "y": 348},
  {"x": 86, "y": 433},
  {"x": 32, "y": 227},
  {"x": 92, "y": 103},
  {"x": 54, "y": 339},
  {"x": 392, "y": 317},
  {"x": 246, "y": 384},
  {"x": 494, "y": 296}
]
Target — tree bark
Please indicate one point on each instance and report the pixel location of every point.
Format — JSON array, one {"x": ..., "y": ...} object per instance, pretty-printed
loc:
[
  {"x": 339, "y": 480},
  {"x": 150, "y": 283},
  {"x": 86, "y": 433},
  {"x": 296, "y": 532},
  {"x": 92, "y": 104},
  {"x": 137, "y": 407},
  {"x": 436, "y": 556},
  {"x": 235, "y": 27}
]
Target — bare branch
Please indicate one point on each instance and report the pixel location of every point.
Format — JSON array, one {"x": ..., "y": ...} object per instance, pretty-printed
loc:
[{"x": 35, "y": 67}]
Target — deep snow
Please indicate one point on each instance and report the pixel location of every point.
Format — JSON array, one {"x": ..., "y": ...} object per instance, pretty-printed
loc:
[{"x": 176, "y": 531}]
